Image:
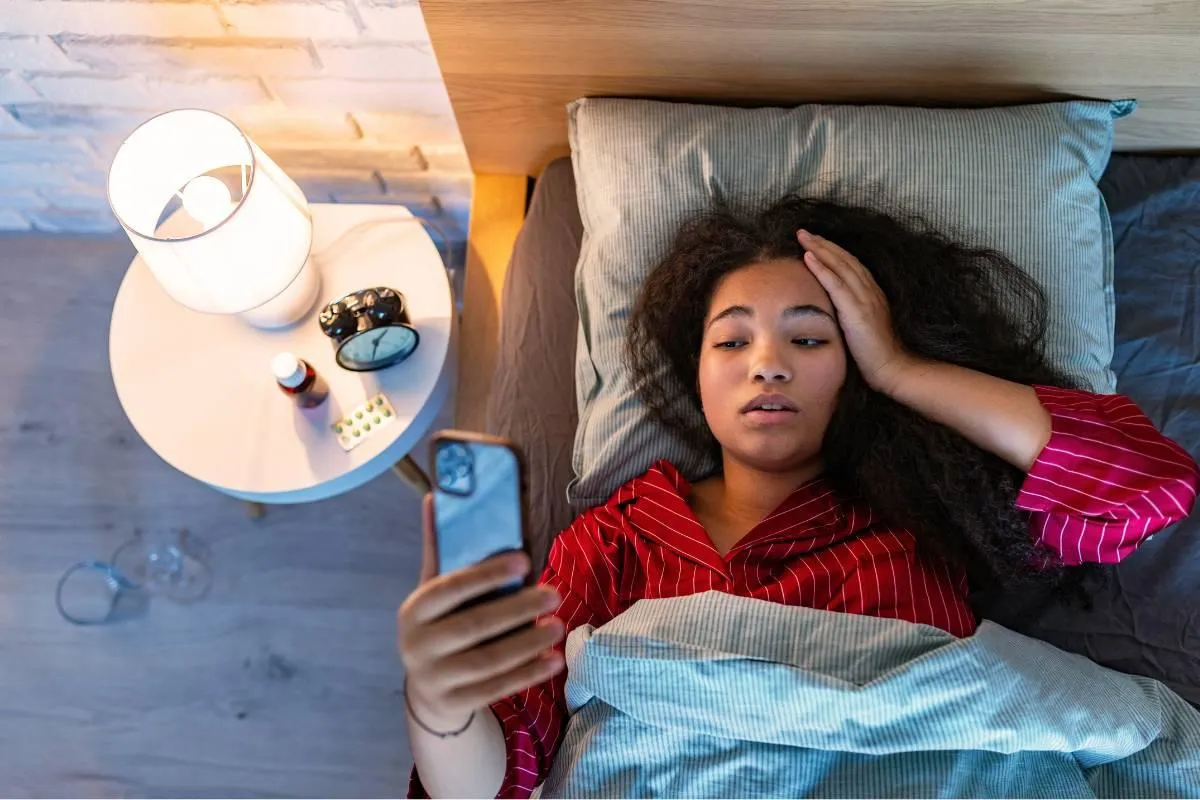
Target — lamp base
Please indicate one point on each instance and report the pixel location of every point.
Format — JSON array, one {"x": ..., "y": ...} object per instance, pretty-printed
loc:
[{"x": 290, "y": 305}]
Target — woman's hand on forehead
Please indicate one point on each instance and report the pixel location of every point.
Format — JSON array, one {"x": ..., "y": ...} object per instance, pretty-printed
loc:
[{"x": 862, "y": 308}]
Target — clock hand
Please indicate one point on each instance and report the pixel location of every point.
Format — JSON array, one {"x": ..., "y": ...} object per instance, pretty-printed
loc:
[{"x": 378, "y": 339}]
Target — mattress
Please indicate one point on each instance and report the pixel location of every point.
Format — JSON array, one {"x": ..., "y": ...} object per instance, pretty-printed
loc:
[{"x": 1147, "y": 621}]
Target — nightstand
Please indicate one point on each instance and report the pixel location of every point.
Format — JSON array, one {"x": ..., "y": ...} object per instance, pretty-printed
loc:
[{"x": 198, "y": 388}]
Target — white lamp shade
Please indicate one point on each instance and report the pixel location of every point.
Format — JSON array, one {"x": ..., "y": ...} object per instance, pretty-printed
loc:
[{"x": 244, "y": 230}]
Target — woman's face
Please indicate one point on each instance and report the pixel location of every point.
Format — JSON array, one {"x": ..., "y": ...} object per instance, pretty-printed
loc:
[{"x": 771, "y": 364}]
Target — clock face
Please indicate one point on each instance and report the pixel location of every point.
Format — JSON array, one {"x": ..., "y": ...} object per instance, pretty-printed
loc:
[{"x": 377, "y": 348}]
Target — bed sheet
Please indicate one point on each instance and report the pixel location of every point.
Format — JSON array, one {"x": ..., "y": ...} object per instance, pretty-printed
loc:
[{"x": 1147, "y": 621}]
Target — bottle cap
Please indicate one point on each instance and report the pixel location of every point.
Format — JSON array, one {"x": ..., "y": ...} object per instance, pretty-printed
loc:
[{"x": 289, "y": 370}]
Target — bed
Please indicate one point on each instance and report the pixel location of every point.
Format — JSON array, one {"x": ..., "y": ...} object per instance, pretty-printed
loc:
[
  {"x": 511, "y": 67},
  {"x": 1148, "y": 621}
]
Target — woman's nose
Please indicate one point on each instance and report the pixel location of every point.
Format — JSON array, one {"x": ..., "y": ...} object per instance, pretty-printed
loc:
[{"x": 770, "y": 368}]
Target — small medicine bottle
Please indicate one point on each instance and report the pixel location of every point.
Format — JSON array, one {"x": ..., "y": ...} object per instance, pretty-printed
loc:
[{"x": 299, "y": 380}]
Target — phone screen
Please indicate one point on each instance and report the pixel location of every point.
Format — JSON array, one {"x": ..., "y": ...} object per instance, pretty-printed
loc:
[{"x": 476, "y": 505}]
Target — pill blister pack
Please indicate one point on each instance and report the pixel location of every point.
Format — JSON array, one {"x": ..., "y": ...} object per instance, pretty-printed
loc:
[{"x": 362, "y": 421}]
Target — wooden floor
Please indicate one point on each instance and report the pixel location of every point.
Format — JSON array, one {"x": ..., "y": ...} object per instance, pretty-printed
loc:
[{"x": 283, "y": 682}]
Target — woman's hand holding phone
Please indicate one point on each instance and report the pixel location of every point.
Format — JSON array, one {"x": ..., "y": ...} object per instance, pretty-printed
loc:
[{"x": 453, "y": 669}]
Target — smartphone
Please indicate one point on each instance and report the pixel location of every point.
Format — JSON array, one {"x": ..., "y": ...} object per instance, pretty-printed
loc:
[{"x": 478, "y": 499}]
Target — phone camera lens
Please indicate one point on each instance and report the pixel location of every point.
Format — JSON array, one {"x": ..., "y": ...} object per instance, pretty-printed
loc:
[{"x": 455, "y": 469}]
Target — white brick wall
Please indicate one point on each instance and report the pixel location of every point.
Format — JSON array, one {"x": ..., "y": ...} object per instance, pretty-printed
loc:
[
  {"x": 86, "y": 120},
  {"x": 397, "y": 60},
  {"x": 14, "y": 89},
  {"x": 313, "y": 129},
  {"x": 391, "y": 159},
  {"x": 32, "y": 53},
  {"x": 11, "y": 126},
  {"x": 345, "y": 94},
  {"x": 393, "y": 19},
  {"x": 151, "y": 92},
  {"x": 74, "y": 153},
  {"x": 113, "y": 54},
  {"x": 21, "y": 200},
  {"x": 111, "y": 17},
  {"x": 14, "y": 220},
  {"x": 292, "y": 18},
  {"x": 21, "y": 176},
  {"x": 420, "y": 97},
  {"x": 400, "y": 127}
]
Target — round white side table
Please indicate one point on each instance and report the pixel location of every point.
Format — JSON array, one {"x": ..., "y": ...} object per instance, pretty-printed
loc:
[{"x": 199, "y": 390}]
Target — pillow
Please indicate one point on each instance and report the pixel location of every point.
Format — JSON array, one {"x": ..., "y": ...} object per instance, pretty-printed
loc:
[{"x": 1021, "y": 180}]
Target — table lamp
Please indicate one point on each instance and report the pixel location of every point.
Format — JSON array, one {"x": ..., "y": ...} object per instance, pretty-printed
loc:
[{"x": 223, "y": 229}]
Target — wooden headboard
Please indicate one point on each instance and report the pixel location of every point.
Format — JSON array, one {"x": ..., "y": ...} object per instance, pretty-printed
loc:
[{"x": 511, "y": 66}]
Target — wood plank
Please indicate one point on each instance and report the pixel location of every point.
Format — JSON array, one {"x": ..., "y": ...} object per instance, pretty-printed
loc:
[
  {"x": 1017, "y": 16},
  {"x": 283, "y": 682},
  {"x": 511, "y": 67},
  {"x": 497, "y": 211}
]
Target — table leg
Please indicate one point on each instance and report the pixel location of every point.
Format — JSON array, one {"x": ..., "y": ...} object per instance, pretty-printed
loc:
[
  {"x": 255, "y": 510},
  {"x": 411, "y": 473}
]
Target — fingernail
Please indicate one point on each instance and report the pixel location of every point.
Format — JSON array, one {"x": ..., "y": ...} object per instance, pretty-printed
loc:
[
  {"x": 519, "y": 564},
  {"x": 803, "y": 233},
  {"x": 551, "y": 600}
]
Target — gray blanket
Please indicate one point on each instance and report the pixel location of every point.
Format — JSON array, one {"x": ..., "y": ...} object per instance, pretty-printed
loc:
[{"x": 714, "y": 695}]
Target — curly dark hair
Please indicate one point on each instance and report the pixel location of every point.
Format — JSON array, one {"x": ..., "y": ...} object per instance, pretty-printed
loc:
[{"x": 968, "y": 306}]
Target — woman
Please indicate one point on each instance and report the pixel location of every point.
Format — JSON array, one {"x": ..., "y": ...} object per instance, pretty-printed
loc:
[{"x": 890, "y": 441}]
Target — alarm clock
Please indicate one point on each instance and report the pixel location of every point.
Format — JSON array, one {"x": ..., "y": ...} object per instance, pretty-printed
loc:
[{"x": 370, "y": 329}]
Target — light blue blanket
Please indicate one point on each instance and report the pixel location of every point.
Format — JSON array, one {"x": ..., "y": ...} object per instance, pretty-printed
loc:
[{"x": 714, "y": 695}]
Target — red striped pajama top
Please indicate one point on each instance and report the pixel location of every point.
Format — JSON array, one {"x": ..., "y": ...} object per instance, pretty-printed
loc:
[{"x": 1105, "y": 481}]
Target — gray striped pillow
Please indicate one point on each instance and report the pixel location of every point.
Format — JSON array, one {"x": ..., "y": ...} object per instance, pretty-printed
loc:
[{"x": 1021, "y": 180}]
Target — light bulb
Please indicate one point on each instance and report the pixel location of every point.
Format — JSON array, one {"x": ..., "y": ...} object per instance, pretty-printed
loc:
[{"x": 207, "y": 199}]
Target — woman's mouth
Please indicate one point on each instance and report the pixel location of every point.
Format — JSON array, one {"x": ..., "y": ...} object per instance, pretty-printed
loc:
[
  {"x": 769, "y": 409},
  {"x": 767, "y": 416}
]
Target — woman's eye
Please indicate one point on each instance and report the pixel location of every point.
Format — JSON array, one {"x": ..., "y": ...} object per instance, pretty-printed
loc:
[
  {"x": 808, "y": 342},
  {"x": 732, "y": 344}
]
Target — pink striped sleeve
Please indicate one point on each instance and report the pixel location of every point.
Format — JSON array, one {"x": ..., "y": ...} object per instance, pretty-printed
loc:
[
  {"x": 1106, "y": 480},
  {"x": 582, "y": 566}
]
